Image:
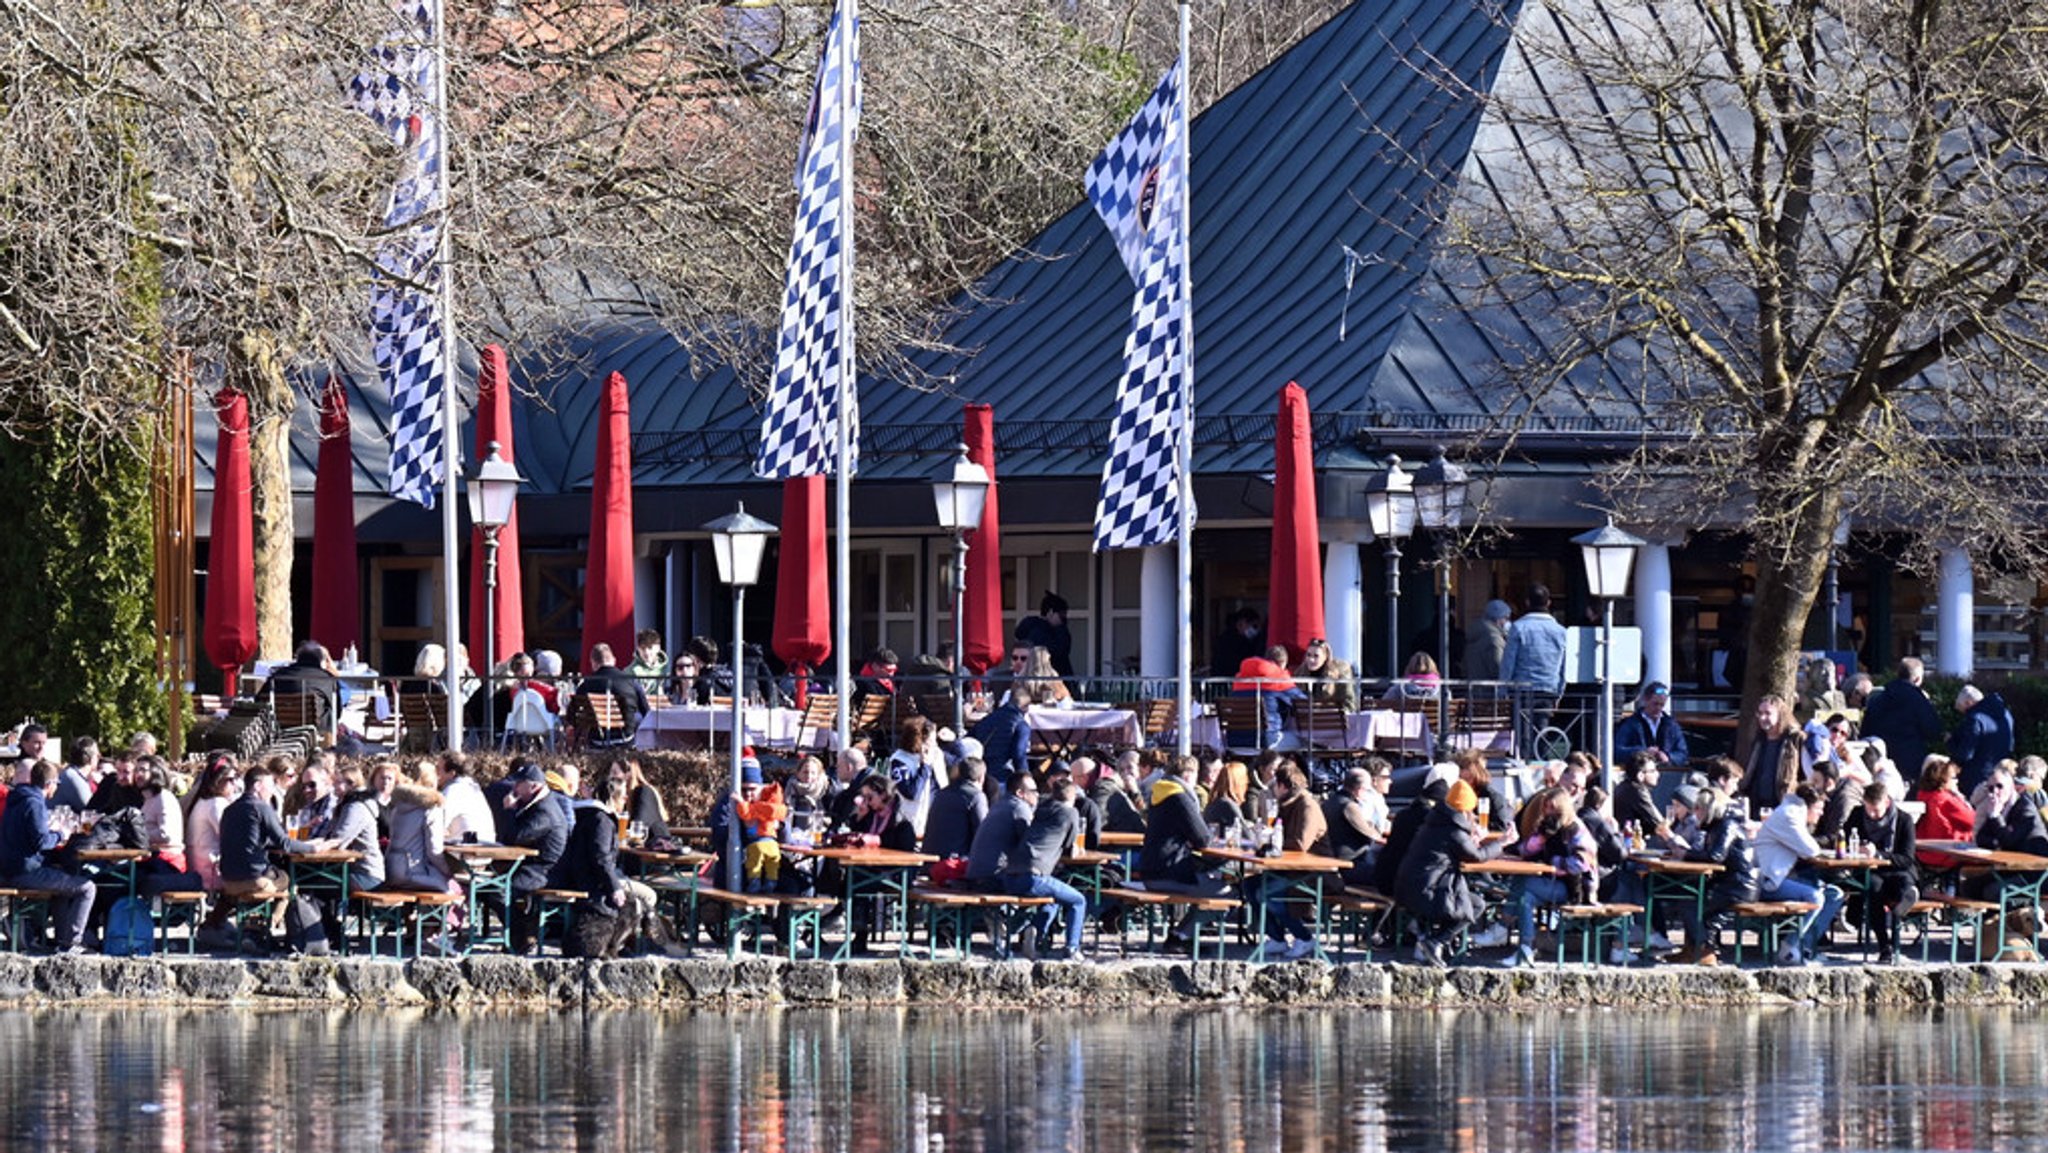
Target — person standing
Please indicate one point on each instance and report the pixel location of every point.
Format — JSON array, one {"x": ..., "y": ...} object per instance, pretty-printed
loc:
[
  {"x": 1903, "y": 718},
  {"x": 1651, "y": 730},
  {"x": 1776, "y": 759},
  {"x": 1533, "y": 659},
  {"x": 1489, "y": 642},
  {"x": 1982, "y": 736},
  {"x": 1048, "y": 630}
]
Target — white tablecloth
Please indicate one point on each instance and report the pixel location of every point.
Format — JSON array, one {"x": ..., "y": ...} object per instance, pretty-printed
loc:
[
  {"x": 693, "y": 726},
  {"x": 1071, "y": 728},
  {"x": 1391, "y": 729}
]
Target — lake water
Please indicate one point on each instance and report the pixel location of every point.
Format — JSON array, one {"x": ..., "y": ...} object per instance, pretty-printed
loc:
[{"x": 926, "y": 1079}]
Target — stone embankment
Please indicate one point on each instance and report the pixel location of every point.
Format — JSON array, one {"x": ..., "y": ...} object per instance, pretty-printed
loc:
[{"x": 487, "y": 982}]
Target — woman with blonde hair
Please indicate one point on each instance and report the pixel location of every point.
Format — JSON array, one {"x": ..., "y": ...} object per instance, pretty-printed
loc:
[{"x": 1327, "y": 680}]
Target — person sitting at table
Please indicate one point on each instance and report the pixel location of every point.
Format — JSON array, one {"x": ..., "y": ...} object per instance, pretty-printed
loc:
[
  {"x": 1005, "y": 734},
  {"x": 1000, "y": 832},
  {"x": 1650, "y": 729},
  {"x": 1635, "y": 798},
  {"x": 1048, "y": 688},
  {"x": 1170, "y": 860},
  {"x": 1110, "y": 793},
  {"x": 467, "y": 811},
  {"x": 1357, "y": 820},
  {"x": 1553, "y": 835},
  {"x": 532, "y": 821},
  {"x": 356, "y": 816},
  {"x": 622, "y": 687},
  {"x": 1886, "y": 832},
  {"x": 1267, "y": 679},
  {"x": 310, "y": 802},
  {"x": 163, "y": 829},
  {"x": 1497, "y": 816},
  {"x": 117, "y": 789},
  {"x": 27, "y": 843},
  {"x": 1301, "y": 828},
  {"x": 1085, "y": 808},
  {"x": 1401, "y": 831},
  {"x": 79, "y": 776},
  {"x": 1226, "y": 783},
  {"x": 853, "y": 768},
  {"x": 876, "y": 678},
  {"x": 650, "y": 661},
  {"x": 1418, "y": 682},
  {"x": 2009, "y": 819},
  {"x": 957, "y": 812},
  {"x": 1840, "y": 784},
  {"x": 1327, "y": 680},
  {"x": 1029, "y": 866},
  {"x": 644, "y": 802},
  {"x": 218, "y": 784},
  {"x": 546, "y": 679},
  {"x": 1723, "y": 842},
  {"x": 1783, "y": 844},
  {"x": 810, "y": 791},
  {"x": 914, "y": 769},
  {"x": 250, "y": 832},
  {"x": 1944, "y": 814},
  {"x": 311, "y": 672},
  {"x": 614, "y": 905},
  {"x": 1431, "y": 884}
]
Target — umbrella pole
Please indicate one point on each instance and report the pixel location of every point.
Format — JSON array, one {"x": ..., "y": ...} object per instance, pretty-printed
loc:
[{"x": 1186, "y": 450}]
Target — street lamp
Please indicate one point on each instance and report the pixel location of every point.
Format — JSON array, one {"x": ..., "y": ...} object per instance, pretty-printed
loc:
[
  {"x": 959, "y": 491},
  {"x": 1440, "y": 505},
  {"x": 493, "y": 489},
  {"x": 737, "y": 544},
  {"x": 1609, "y": 554},
  {"x": 1390, "y": 509}
]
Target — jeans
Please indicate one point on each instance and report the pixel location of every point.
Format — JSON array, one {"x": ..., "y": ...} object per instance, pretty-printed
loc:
[
  {"x": 1817, "y": 923},
  {"x": 1267, "y": 891},
  {"x": 70, "y": 901},
  {"x": 1531, "y": 893},
  {"x": 1066, "y": 898}
]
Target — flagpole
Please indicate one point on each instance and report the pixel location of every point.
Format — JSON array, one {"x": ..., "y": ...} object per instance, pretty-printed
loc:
[
  {"x": 451, "y": 445},
  {"x": 842, "y": 549},
  {"x": 1184, "y": 664}
]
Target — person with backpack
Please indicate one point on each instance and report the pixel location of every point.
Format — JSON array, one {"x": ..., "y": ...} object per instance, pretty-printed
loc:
[{"x": 250, "y": 831}]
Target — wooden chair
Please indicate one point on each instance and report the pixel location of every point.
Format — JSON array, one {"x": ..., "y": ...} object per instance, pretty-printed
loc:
[
  {"x": 816, "y": 730},
  {"x": 872, "y": 719},
  {"x": 599, "y": 723},
  {"x": 420, "y": 721},
  {"x": 1240, "y": 719},
  {"x": 1156, "y": 718}
]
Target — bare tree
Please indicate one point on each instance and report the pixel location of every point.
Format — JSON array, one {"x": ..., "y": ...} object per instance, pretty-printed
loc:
[
  {"x": 1801, "y": 245},
  {"x": 607, "y": 158}
]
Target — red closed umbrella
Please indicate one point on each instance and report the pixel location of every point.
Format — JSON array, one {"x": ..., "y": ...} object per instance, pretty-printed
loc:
[
  {"x": 1297, "y": 598},
  {"x": 494, "y": 424},
  {"x": 336, "y": 616},
  {"x": 982, "y": 618},
  {"x": 230, "y": 633},
  {"x": 608, "y": 572},
  {"x": 803, "y": 599}
]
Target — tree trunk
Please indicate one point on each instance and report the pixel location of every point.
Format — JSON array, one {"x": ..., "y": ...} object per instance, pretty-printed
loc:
[
  {"x": 1788, "y": 579},
  {"x": 255, "y": 367}
]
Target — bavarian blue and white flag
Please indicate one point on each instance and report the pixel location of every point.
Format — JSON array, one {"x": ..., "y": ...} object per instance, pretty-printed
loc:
[
  {"x": 814, "y": 373},
  {"x": 399, "y": 91},
  {"x": 1136, "y": 187}
]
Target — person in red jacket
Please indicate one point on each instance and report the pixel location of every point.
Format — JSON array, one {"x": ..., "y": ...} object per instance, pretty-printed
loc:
[
  {"x": 1948, "y": 816},
  {"x": 1268, "y": 679}
]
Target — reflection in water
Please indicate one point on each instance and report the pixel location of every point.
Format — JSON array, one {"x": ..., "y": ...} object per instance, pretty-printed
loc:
[{"x": 951, "y": 1079}]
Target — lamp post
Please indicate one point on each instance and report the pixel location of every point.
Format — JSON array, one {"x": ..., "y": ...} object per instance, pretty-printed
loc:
[
  {"x": 1831, "y": 591},
  {"x": 493, "y": 489},
  {"x": 737, "y": 544},
  {"x": 1440, "y": 505},
  {"x": 1390, "y": 509},
  {"x": 959, "y": 492},
  {"x": 1610, "y": 554}
]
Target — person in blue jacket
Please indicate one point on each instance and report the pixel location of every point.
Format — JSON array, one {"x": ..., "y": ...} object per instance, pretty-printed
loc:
[{"x": 1651, "y": 729}]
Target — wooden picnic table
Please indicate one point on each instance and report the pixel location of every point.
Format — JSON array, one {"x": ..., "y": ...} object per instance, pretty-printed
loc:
[
  {"x": 878, "y": 872},
  {"x": 1306, "y": 875},
  {"x": 122, "y": 864}
]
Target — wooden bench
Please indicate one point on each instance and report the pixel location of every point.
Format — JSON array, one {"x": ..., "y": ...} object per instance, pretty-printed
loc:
[
  {"x": 1961, "y": 914},
  {"x": 554, "y": 906},
  {"x": 185, "y": 907},
  {"x": 1359, "y": 912},
  {"x": 756, "y": 914},
  {"x": 1771, "y": 920},
  {"x": 1593, "y": 924},
  {"x": 398, "y": 909},
  {"x": 22, "y": 905},
  {"x": 1152, "y": 907},
  {"x": 959, "y": 910}
]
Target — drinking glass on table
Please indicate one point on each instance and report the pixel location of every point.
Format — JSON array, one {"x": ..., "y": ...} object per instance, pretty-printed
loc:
[{"x": 636, "y": 833}]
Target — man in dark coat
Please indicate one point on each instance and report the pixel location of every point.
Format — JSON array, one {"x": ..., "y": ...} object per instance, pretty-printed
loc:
[
  {"x": 1886, "y": 832},
  {"x": 533, "y": 821},
  {"x": 1048, "y": 630},
  {"x": 623, "y": 687},
  {"x": 309, "y": 673},
  {"x": 1903, "y": 718},
  {"x": 1982, "y": 736},
  {"x": 1431, "y": 884},
  {"x": 1170, "y": 859}
]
